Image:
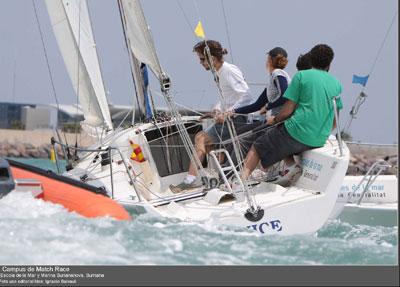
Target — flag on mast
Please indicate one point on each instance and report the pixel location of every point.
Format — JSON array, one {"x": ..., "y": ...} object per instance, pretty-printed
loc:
[
  {"x": 199, "y": 31},
  {"x": 360, "y": 80}
]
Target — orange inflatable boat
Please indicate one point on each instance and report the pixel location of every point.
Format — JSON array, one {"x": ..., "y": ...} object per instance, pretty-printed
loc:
[{"x": 74, "y": 195}]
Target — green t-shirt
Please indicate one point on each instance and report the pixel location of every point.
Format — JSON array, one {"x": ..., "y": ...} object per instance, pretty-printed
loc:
[{"x": 313, "y": 90}]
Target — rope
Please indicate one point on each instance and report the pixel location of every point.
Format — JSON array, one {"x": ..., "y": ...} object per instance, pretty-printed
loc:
[
  {"x": 191, "y": 27},
  {"x": 190, "y": 149},
  {"x": 227, "y": 30},
  {"x": 362, "y": 96},
  {"x": 181, "y": 105},
  {"x": 166, "y": 145},
  {"x": 125, "y": 117},
  {"x": 78, "y": 73},
  {"x": 46, "y": 57},
  {"x": 186, "y": 18},
  {"x": 382, "y": 44},
  {"x": 172, "y": 133},
  {"x": 196, "y": 7},
  {"x": 47, "y": 63}
]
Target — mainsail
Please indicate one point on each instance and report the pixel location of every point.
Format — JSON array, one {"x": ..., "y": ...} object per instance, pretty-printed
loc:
[
  {"x": 71, "y": 24},
  {"x": 137, "y": 32}
]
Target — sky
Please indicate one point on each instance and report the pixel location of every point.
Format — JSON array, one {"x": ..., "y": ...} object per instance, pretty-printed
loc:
[{"x": 354, "y": 29}]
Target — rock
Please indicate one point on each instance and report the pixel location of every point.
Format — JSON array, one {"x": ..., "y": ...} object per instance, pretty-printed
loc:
[
  {"x": 46, "y": 148},
  {"x": 7, "y": 146},
  {"x": 352, "y": 170},
  {"x": 13, "y": 153},
  {"x": 33, "y": 153},
  {"x": 3, "y": 153},
  {"x": 29, "y": 146},
  {"x": 43, "y": 153}
]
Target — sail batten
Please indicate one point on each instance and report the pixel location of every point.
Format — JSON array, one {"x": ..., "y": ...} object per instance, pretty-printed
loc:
[{"x": 71, "y": 24}]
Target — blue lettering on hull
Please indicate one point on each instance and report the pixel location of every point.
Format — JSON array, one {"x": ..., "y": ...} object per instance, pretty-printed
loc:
[{"x": 262, "y": 227}]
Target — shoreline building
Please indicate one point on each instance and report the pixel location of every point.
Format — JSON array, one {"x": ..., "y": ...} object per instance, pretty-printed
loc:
[{"x": 26, "y": 116}]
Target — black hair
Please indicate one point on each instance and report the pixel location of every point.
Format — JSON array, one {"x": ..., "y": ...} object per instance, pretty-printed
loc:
[
  {"x": 321, "y": 56},
  {"x": 277, "y": 51},
  {"x": 304, "y": 62}
]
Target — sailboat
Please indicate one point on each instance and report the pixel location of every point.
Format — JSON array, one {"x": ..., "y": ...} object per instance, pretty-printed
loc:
[
  {"x": 370, "y": 199},
  {"x": 136, "y": 165}
]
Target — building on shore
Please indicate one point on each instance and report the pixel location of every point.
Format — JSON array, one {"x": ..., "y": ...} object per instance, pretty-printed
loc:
[
  {"x": 11, "y": 115},
  {"x": 27, "y": 116}
]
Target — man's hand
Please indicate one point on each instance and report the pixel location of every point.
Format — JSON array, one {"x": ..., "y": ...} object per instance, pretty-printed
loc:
[
  {"x": 229, "y": 113},
  {"x": 263, "y": 110},
  {"x": 271, "y": 121},
  {"x": 219, "y": 118}
]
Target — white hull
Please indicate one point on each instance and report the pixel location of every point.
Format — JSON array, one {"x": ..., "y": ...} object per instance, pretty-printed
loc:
[
  {"x": 300, "y": 209},
  {"x": 379, "y": 205}
]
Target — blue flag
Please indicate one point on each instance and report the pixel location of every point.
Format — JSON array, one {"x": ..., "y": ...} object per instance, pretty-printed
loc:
[
  {"x": 360, "y": 80},
  {"x": 149, "y": 112}
]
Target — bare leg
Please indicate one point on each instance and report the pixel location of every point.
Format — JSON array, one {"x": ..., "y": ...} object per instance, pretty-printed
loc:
[
  {"x": 202, "y": 140},
  {"x": 250, "y": 163}
]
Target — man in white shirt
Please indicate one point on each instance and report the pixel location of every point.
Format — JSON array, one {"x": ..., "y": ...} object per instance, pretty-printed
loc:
[{"x": 235, "y": 94}]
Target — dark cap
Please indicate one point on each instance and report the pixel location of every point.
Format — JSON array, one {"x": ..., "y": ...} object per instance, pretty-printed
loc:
[{"x": 276, "y": 51}]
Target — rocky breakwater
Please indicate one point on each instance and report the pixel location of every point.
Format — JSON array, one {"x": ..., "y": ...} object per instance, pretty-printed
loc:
[
  {"x": 36, "y": 143},
  {"x": 27, "y": 150},
  {"x": 363, "y": 156},
  {"x": 360, "y": 163}
]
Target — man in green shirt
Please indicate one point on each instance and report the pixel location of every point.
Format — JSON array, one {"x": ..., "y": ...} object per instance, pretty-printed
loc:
[{"x": 306, "y": 119}]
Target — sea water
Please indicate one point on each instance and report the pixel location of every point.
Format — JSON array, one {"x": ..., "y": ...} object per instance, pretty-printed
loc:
[{"x": 36, "y": 232}]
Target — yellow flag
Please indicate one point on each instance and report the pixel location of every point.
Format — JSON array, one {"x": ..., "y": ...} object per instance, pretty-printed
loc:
[
  {"x": 53, "y": 155},
  {"x": 199, "y": 30}
]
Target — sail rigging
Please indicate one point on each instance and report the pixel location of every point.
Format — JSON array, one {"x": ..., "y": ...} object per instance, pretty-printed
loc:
[
  {"x": 70, "y": 21},
  {"x": 142, "y": 48}
]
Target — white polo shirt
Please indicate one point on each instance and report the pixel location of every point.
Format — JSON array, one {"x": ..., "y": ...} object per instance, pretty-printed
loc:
[{"x": 234, "y": 88}]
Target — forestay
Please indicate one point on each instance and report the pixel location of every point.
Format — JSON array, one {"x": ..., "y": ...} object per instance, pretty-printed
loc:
[{"x": 71, "y": 24}]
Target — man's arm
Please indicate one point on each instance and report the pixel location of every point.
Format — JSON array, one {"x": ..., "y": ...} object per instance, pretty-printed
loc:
[{"x": 287, "y": 110}]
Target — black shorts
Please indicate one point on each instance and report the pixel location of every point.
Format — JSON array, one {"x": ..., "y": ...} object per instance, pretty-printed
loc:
[
  {"x": 219, "y": 131},
  {"x": 275, "y": 144},
  {"x": 245, "y": 141}
]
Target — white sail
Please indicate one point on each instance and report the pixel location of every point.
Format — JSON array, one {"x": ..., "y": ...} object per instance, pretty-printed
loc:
[
  {"x": 71, "y": 24},
  {"x": 139, "y": 37}
]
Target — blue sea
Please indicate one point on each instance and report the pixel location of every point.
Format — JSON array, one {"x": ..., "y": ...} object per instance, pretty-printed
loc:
[{"x": 37, "y": 232}]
